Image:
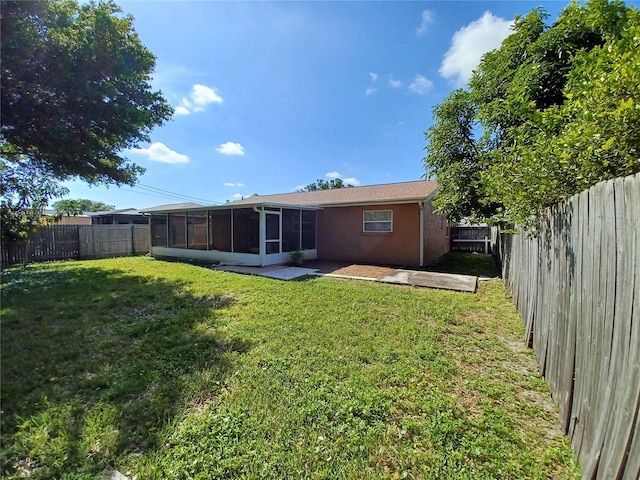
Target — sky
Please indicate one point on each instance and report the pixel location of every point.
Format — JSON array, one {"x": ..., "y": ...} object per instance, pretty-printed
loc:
[{"x": 271, "y": 96}]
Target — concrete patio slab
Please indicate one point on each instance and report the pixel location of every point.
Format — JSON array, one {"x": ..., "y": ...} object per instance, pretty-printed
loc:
[
  {"x": 446, "y": 281},
  {"x": 279, "y": 272}
]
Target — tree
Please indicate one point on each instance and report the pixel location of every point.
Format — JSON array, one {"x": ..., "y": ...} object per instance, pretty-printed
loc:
[
  {"x": 76, "y": 89},
  {"x": 71, "y": 207},
  {"x": 321, "y": 184},
  {"x": 454, "y": 153},
  {"x": 556, "y": 110},
  {"x": 25, "y": 190}
]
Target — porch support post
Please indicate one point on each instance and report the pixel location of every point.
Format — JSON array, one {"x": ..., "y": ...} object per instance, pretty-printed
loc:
[
  {"x": 421, "y": 205},
  {"x": 263, "y": 235}
]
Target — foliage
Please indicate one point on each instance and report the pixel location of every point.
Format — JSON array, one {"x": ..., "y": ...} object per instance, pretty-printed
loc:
[
  {"x": 454, "y": 154},
  {"x": 167, "y": 370},
  {"x": 297, "y": 256},
  {"x": 557, "y": 111},
  {"x": 325, "y": 185},
  {"x": 76, "y": 89},
  {"x": 25, "y": 189},
  {"x": 71, "y": 207}
]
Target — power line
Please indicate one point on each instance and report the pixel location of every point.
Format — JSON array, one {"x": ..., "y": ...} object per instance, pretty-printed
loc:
[{"x": 172, "y": 194}]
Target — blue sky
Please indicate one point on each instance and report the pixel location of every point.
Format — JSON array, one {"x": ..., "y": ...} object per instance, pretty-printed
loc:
[{"x": 271, "y": 96}]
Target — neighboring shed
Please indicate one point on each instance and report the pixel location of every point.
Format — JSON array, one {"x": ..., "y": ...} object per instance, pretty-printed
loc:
[{"x": 390, "y": 224}]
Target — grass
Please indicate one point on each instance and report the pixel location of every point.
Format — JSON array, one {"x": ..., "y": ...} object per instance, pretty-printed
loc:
[
  {"x": 469, "y": 263},
  {"x": 168, "y": 370}
]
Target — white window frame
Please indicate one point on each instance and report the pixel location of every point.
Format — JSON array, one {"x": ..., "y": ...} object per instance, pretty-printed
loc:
[{"x": 366, "y": 222}]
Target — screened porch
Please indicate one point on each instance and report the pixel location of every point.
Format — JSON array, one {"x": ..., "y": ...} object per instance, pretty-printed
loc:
[{"x": 257, "y": 235}]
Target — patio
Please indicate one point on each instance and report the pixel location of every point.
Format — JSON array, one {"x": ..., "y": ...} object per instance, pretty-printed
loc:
[{"x": 445, "y": 281}]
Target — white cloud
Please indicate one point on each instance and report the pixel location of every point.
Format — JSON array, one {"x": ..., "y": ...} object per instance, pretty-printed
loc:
[
  {"x": 179, "y": 110},
  {"x": 470, "y": 43},
  {"x": 351, "y": 181},
  {"x": 427, "y": 19},
  {"x": 393, "y": 83},
  {"x": 420, "y": 85},
  {"x": 159, "y": 152},
  {"x": 197, "y": 100},
  {"x": 231, "y": 148},
  {"x": 231, "y": 184},
  {"x": 237, "y": 196},
  {"x": 333, "y": 174},
  {"x": 370, "y": 91},
  {"x": 374, "y": 76}
]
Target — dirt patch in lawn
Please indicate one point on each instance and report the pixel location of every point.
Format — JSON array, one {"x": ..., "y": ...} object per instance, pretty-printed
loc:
[{"x": 350, "y": 269}]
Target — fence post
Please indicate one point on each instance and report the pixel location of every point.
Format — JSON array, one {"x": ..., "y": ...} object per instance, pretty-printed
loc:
[{"x": 133, "y": 240}]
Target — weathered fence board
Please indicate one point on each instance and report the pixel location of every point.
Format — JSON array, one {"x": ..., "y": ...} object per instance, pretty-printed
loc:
[
  {"x": 576, "y": 288},
  {"x": 68, "y": 242}
]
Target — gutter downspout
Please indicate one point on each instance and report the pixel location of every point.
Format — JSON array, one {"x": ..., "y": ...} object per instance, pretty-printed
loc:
[{"x": 421, "y": 206}]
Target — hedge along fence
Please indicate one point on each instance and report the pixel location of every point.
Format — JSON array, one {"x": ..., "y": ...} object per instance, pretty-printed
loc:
[
  {"x": 68, "y": 242},
  {"x": 577, "y": 288}
]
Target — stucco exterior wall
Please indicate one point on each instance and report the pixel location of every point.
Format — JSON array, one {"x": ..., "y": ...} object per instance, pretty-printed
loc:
[
  {"x": 340, "y": 236},
  {"x": 436, "y": 239}
]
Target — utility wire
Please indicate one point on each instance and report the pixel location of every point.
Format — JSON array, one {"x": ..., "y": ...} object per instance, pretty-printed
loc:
[
  {"x": 166, "y": 194},
  {"x": 160, "y": 190}
]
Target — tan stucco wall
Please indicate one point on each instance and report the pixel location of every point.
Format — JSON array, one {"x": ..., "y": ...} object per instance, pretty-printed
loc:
[
  {"x": 73, "y": 220},
  {"x": 436, "y": 241},
  {"x": 340, "y": 236}
]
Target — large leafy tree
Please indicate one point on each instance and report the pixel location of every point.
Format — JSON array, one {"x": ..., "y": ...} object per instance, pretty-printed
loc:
[
  {"x": 556, "y": 110},
  {"x": 76, "y": 89},
  {"x": 71, "y": 207}
]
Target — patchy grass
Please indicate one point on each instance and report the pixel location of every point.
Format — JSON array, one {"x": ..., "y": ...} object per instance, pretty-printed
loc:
[
  {"x": 167, "y": 370},
  {"x": 468, "y": 263}
]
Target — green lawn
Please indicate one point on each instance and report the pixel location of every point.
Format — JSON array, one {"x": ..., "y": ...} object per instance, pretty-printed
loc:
[{"x": 168, "y": 370}]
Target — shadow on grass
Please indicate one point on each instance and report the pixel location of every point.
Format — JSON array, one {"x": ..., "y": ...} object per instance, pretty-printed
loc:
[
  {"x": 98, "y": 364},
  {"x": 466, "y": 263}
]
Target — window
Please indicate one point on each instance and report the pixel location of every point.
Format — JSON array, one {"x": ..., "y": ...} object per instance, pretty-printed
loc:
[{"x": 377, "y": 221}]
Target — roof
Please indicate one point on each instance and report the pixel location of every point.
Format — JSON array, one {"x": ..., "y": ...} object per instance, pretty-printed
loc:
[
  {"x": 122, "y": 211},
  {"x": 403, "y": 192},
  {"x": 171, "y": 206}
]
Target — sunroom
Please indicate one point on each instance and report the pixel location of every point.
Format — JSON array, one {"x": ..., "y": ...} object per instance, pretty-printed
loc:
[{"x": 257, "y": 235}]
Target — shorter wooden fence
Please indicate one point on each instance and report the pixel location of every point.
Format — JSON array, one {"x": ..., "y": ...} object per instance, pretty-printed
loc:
[
  {"x": 470, "y": 239},
  {"x": 69, "y": 242}
]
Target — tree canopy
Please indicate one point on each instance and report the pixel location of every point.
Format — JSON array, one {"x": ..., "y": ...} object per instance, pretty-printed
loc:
[
  {"x": 25, "y": 189},
  {"x": 321, "y": 184},
  {"x": 76, "y": 89},
  {"x": 553, "y": 111},
  {"x": 70, "y": 207}
]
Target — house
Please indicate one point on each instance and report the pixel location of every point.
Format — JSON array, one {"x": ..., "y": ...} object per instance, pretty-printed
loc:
[
  {"x": 125, "y": 216},
  {"x": 81, "y": 219},
  {"x": 391, "y": 224}
]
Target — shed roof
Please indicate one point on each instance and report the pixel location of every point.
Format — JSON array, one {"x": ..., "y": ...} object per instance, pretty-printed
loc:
[{"x": 385, "y": 193}]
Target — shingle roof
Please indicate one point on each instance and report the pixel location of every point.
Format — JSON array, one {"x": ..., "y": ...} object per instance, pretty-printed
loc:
[
  {"x": 386, "y": 193},
  {"x": 171, "y": 206}
]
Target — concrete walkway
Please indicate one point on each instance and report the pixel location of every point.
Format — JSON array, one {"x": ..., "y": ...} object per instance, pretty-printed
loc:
[{"x": 445, "y": 281}]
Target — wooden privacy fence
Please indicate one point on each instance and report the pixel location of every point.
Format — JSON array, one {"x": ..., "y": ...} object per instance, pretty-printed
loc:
[
  {"x": 577, "y": 288},
  {"x": 68, "y": 242}
]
